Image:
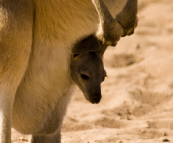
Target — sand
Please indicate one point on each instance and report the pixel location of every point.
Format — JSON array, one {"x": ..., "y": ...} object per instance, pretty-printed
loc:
[{"x": 137, "y": 103}]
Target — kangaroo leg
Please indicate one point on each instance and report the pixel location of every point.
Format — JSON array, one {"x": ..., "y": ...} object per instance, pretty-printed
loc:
[
  {"x": 56, "y": 138},
  {"x": 15, "y": 46}
]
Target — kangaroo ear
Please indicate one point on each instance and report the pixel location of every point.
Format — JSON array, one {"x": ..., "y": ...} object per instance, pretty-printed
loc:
[{"x": 89, "y": 44}]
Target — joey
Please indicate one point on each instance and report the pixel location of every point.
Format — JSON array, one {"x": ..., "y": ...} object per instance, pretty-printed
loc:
[{"x": 87, "y": 69}]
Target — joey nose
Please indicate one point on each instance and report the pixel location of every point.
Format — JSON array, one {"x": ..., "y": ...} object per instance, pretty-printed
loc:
[{"x": 96, "y": 98}]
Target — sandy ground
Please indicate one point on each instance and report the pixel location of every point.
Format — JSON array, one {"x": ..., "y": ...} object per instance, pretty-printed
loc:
[{"x": 137, "y": 103}]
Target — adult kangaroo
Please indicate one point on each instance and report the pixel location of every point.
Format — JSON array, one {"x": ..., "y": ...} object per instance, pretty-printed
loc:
[{"x": 36, "y": 41}]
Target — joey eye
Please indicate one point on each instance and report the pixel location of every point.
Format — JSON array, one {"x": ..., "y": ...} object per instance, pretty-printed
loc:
[
  {"x": 75, "y": 55},
  {"x": 84, "y": 76}
]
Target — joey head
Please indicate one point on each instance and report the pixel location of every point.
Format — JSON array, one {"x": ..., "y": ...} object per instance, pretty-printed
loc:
[{"x": 87, "y": 70}]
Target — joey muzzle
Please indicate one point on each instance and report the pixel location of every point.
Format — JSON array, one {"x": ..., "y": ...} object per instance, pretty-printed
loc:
[
  {"x": 93, "y": 95},
  {"x": 93, "y": 98},
  {"x": 91, "y": 88}
]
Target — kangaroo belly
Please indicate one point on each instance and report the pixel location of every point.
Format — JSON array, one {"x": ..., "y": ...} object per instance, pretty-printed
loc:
[
  {"x": 42, "y": 97},
  {"x": 45, "y": 90},
  {"x": 41, "y": 115}
]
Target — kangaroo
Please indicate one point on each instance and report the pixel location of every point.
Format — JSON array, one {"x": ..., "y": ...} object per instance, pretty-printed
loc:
[
  {"x": 36, "y": 41},
  {"x": 86, "y": 67}
]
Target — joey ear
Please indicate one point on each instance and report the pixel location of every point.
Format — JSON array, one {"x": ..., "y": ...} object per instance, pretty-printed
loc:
[{"x": 89, "y": 44}]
